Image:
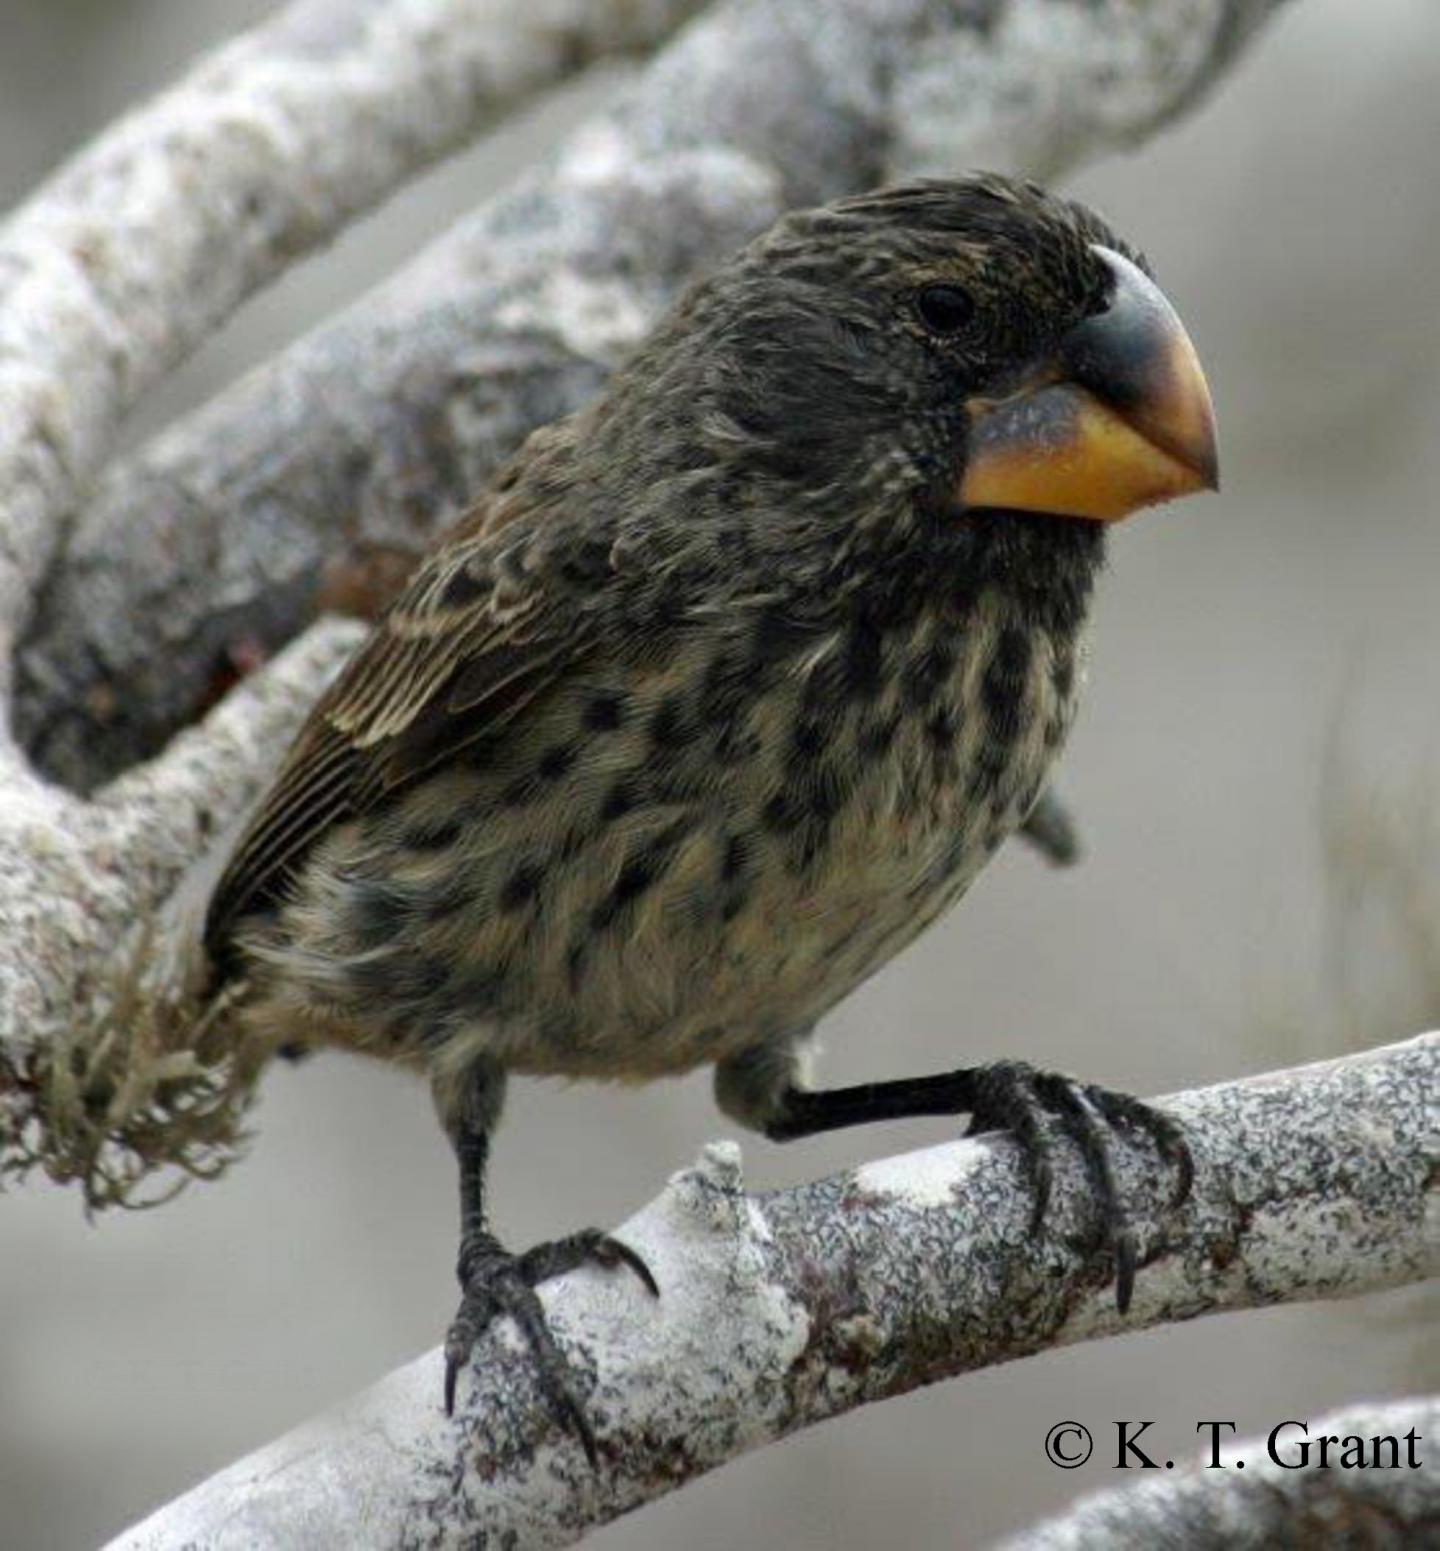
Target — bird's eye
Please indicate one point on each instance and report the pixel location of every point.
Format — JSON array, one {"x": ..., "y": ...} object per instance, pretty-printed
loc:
[{"x": 944, "y": 309}]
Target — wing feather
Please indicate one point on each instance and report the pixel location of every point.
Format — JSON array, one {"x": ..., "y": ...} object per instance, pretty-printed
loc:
[{"x": 481, "y": 630}]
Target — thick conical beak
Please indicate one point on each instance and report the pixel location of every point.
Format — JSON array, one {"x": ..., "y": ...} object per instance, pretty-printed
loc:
[{"x": 1119, "y": 418}]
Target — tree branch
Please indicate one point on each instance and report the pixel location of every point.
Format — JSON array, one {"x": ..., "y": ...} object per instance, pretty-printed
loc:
[
  {"x": 81, "y": 889},
  {"x": 329, "y": 468},
  {"x": 782, "y": 1309},
  {"x": 145, "y": 243},
  {"x": 1272, "y": 1503}
]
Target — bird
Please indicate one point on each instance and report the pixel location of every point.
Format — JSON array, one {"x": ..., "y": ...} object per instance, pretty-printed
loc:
[{"x": 723, "y": 690}]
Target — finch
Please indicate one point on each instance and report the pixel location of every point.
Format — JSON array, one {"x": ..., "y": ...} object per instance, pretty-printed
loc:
[{"x": 726, "y": 688}]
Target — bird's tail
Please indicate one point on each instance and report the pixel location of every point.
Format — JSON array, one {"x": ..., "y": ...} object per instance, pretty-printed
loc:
[{"x": 151, "y": 1088}]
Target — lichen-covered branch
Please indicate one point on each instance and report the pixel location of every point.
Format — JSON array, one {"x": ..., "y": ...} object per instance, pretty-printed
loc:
[
  {"x": 148, "y": 240},
  {"x": 779, "y": 1310},
  {"x": 1283, "y": 1498},
  {"x": 82, "y": 886},
  {"x": 309, "y": 483}
]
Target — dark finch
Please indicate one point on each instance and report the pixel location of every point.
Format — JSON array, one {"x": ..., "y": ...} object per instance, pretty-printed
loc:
[{"x": 724, "y": 690}]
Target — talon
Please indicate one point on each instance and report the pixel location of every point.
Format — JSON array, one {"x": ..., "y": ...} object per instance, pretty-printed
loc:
[
  {"x": 452, "y": 1374},
  {"x": 1086, "y": 1120},
  {"x": 1010, "y": 1101},
  {"x": 1176, "y": 1152},
  {"x": 1015, "y": 1096},
  {"x": 1166, "y": 1134},
  {"x": 460, "y": 1341},
  {"x": 1125, "y": 1259},
  {"x": 496, "y": 1282},
  {"x": 589, "y": 1245},
  {"x": 612, "y": 1253}
]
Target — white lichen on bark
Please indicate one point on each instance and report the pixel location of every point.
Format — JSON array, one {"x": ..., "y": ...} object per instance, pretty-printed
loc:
[
  {"x": 149, "y": 239},
  {"x": 779, "y": 1310},
  {"x": 1281, "y": 1499}
]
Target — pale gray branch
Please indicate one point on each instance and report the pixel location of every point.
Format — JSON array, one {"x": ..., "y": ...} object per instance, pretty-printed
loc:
[
  {"x": 779, "y": 1310},
  {"x": 1282, "y": 1498},
  {"x": 77, "y": 877},
  {"x": 346, "y": 452},
  {"x": 138, "y": 249}
]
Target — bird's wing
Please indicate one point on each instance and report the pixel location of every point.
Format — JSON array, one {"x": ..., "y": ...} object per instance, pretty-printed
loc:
[{"x": 480, "y": 630}]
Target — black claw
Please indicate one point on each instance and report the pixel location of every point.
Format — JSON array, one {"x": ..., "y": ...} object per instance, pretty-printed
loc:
[
  {"x": 459, "y": 1341},
  {"x": 1009, "y": 1102},
  {"x": 1165, "y": 1133},
  {"x": 555, "y": 1379},
  {"x": 497, "y": 1282},
  {"x": 452, "y": 1373},
  {"x": 1030, "y": 1104},
  {"x": 1086, "y": 1123},
  {"x": 465, "y": 1330},
  {"x": 1125, "y": 1258},
  {"x": 589, "y": 1246},
  {"x": 1176, "y": 1152},
  {"x": 614, "y": 1253}
]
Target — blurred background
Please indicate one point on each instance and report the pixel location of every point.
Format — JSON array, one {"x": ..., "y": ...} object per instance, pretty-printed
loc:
[{"x": 1257, "y": 770}]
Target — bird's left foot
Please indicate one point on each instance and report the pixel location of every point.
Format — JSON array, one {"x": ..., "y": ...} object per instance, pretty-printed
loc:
[
  {"x": 1035, "y": 1105},
  {"x": 496, "y": 1282}
]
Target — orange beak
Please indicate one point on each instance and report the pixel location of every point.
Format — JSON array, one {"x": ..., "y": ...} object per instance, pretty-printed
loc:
[{"x": 1119, "y": 418}]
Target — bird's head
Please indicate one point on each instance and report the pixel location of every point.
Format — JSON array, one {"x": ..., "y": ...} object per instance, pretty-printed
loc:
[{"x": 981, "y": 341}]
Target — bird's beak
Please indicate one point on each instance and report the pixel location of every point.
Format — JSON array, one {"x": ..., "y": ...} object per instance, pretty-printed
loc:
[{"x": 1118, "y": 418}]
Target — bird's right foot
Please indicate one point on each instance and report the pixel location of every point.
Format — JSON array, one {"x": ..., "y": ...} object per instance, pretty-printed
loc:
[
  {"x": 496, "y": 1282},
  {"x": 1036, "y": 1105}
]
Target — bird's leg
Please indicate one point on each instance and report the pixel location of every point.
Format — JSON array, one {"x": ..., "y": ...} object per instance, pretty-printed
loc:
[
  {"x": 494, "y": 1282},
  {"x": 1013, "y": 1096}
]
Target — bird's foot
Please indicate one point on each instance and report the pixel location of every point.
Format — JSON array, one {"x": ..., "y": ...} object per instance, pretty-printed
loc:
[
  {"x": 1036, "y": 1105},
  {"x": 496, "y": 1282}
]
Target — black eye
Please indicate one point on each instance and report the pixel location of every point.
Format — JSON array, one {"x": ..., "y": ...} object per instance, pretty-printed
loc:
[{"x": 944, "y": 309}]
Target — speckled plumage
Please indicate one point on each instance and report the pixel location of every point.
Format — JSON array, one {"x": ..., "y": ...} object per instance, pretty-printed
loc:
[
  {"x": 714, "y": 701},
  {"x": 748, "y": 840},
  {"x": 726, "y": 688}
]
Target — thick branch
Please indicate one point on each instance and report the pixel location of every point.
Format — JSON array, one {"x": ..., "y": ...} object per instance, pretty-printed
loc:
[
  {"x": 354, "y": 444},
  {"x": 779, "y": 1310},
  {"x": 77, "y": 878},
  {"x": 139, "y": 248},
  {"x": 1282, "y": 1499}
]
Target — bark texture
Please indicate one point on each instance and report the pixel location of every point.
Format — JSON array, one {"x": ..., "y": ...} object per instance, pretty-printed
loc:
[
  {"x": 150, "y": 238},
  {"x": 1283, "y": 1500},
  {"x": 782, "y": 1309},
  {"x": 313, "y": 482}
]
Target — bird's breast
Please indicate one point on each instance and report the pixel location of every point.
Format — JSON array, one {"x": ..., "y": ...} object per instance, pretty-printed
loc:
[
  {"x": 903, "y": 801},
  {"x": 662, "y": 870}
]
